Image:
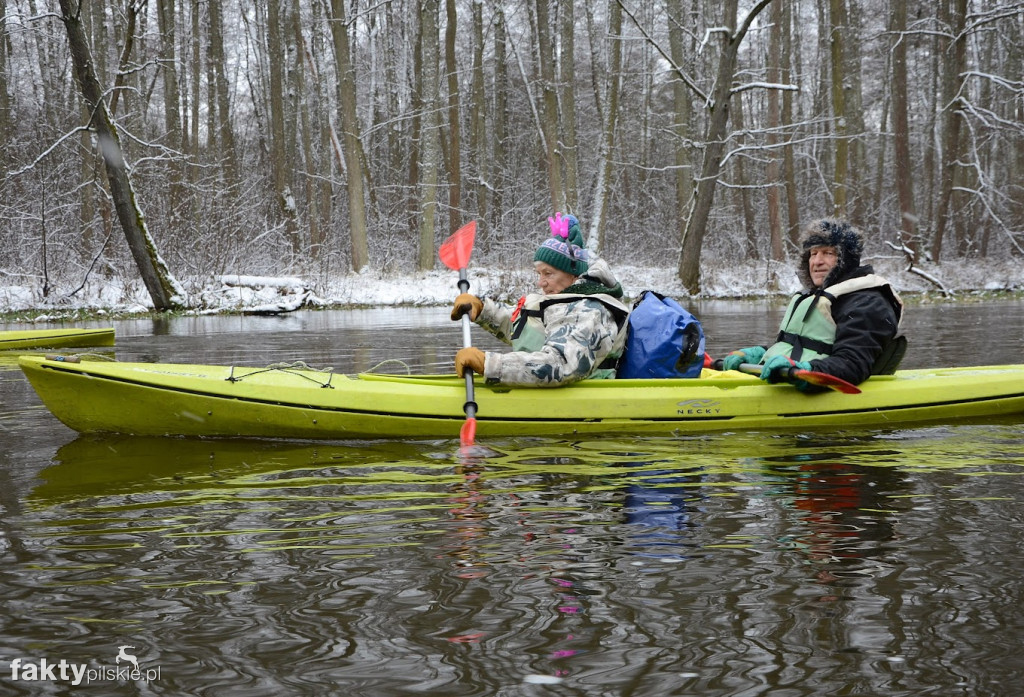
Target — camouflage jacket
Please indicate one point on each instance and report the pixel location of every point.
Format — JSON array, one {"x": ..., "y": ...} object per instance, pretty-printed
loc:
[{"x": 579, "y": 335}]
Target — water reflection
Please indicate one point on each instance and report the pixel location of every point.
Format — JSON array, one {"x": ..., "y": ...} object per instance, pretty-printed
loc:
[{"x": 867, "y": 562}]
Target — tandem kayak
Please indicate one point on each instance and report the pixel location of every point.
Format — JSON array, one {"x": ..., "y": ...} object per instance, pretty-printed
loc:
[
  {"x": 21, "y": 339},
  {"x": 152, "y": 399}
]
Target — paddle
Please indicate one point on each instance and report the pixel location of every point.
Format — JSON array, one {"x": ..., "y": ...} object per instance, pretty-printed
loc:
[
  {"x": 455, "y": 253},
  {"x": 812, "y": 376}
]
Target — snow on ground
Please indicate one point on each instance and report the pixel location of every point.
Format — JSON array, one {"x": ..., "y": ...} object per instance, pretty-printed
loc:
[{"x": 274, "y": 294}]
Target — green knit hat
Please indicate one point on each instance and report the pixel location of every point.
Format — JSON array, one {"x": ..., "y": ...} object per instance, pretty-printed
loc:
[{"x": 565, "y": 250}]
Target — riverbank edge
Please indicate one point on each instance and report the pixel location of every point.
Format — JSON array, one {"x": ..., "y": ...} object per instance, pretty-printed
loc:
[
  {"x": 76, "y": 315},
  {"x": 753, "y": 282}
]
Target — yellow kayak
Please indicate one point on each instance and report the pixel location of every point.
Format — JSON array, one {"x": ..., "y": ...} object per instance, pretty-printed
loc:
[
  {"x": 21, "y": 339},
  {"x": 155, "y": 399}
]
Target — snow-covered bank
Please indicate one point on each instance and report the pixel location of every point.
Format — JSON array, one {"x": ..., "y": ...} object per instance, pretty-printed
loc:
[{"x": 261, "y": 294}]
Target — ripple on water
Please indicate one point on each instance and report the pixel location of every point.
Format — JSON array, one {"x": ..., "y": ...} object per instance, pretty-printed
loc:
[{"x": 669, "y": 566}]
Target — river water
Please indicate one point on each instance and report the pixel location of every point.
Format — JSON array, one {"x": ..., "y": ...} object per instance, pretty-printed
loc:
[{"x": 847, "y": 562}]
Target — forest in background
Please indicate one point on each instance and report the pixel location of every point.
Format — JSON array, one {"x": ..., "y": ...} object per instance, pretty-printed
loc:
[{"x": 328, "y": 137}]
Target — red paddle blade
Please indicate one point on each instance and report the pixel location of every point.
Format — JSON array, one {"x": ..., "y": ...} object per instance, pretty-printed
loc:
[
  {"x": 468, "y": 433},
  {"x": 826, "y": 380},
  {"x": 456, "y": 250}
]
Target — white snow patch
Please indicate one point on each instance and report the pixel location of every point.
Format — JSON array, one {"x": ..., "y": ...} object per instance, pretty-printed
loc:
[{"x": 273, "y": 294}]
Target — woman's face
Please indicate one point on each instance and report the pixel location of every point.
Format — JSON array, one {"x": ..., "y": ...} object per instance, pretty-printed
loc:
[{"x": 551, "y": 280}]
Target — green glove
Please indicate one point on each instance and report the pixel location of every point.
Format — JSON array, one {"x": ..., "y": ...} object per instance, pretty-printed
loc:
[
  {"x": 777, "y": 368},
  {"x": 754, "y": 354}
]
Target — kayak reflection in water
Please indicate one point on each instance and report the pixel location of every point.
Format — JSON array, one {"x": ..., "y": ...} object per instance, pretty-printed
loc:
[
  {"x": 847, "y": 321},
  {"x": 574, "y": 328}
]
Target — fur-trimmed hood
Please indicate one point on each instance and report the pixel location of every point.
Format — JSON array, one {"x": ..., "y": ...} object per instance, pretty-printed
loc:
[{"x": 829, "y": 232}]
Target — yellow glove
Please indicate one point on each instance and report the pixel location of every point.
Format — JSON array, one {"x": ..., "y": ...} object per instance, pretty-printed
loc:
[
  {"x": 469, "y": 358},
  {"x": 467, "y": 302}
]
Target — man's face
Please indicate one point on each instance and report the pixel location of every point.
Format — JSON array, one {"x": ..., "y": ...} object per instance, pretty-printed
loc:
[{"x": 821, "y": 262}]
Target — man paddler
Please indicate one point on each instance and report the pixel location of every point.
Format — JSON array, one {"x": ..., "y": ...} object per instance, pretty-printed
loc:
[{"x": 846, "y": 322}]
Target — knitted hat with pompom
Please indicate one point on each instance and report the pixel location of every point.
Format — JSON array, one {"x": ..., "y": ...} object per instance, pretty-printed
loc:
[{"x": 565, "y": 250}]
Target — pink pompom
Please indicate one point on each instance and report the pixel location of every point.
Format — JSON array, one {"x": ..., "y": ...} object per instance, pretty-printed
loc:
[{"x": 559, "y": 226}]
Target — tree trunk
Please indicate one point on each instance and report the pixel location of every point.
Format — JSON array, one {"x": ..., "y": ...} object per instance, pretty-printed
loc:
[
  {"x": 454, "y": 120},
  {"x": 714, "y": 141},
  {"x": 773, "y": 194},
  {"x": 900, "y": 125},
  {"x": 500, "y": 120},
  {"x": 350, "y": 128},
  {"x": 5, "y": 101},
  {"x": 304, "y": 104},
  {"x": 789, "y": 163},
  {"x": 415, "y": 136},
  {"x": 854, "y": 114},
  {"x": 549, "y": 103},
  {"x": 681, "y": 108},
  {"x": 197, "y": 69},
  {"x": 430, "y": 151},
  {"x": 166, "y": 15},
  {"x": 742, "y": 193},
  {"x": 567, "y": 74},
  {"x": 840, "y": 183},
  {"x": 162, "y": 286},
  {"x": 955, "y": 49},
  {"x": 602, "y": 192},
  {"x": 281, "y": 164},
  {"x": 225, "y": 135},
  {"x": 477, "y": 119}
]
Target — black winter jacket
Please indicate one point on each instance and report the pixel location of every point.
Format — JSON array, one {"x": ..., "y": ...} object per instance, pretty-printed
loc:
[{"x": 866, "y": 322}]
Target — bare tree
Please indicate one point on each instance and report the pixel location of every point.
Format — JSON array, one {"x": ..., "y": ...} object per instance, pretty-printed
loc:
[
  {"x": 840, "y": 125},
  {"x": 5, "y": 97},
  {"x": 454, "y": 126},
  {"x": 549, "y": 102},
  {"x": 682, "y": 107},
  {"x": 173, "y": 140},
  {"x": 901, "y": 126},
  {"x": 567, "y": 105},
  {"x": 714, "y": 140},
  {"x": 220, "y": 136},
  {"x": 347, "y": 98},
  {"x": 430, "y": 151},
  {"x": 742, "y": 189},
  {"x": 478, "y": 116},
  {"x": 773, "y": 194},
  {"x": 162, "y": 286},
  {"x": 499, "y": 128},
  {"x": 954, "y": 45},
  {"x": 787, "y": 18},
  {"x": 609, "y": 96},
  {"x": 282, "y": 164}
]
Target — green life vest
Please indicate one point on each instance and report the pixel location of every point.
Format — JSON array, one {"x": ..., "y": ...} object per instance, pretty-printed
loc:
[
  {"x": 808, "y": 329},
  {"x": 529, "y": 333}
]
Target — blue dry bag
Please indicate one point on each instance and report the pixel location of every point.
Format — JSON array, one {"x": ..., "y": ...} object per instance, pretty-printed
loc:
[{"x": 663, "y": 340}]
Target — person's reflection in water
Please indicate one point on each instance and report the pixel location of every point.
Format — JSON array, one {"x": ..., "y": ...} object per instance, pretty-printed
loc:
[
  {"x": 845, "y": 511},
  {"x": 468, "y": 499},
  {"x": 661, "y": 509}
]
